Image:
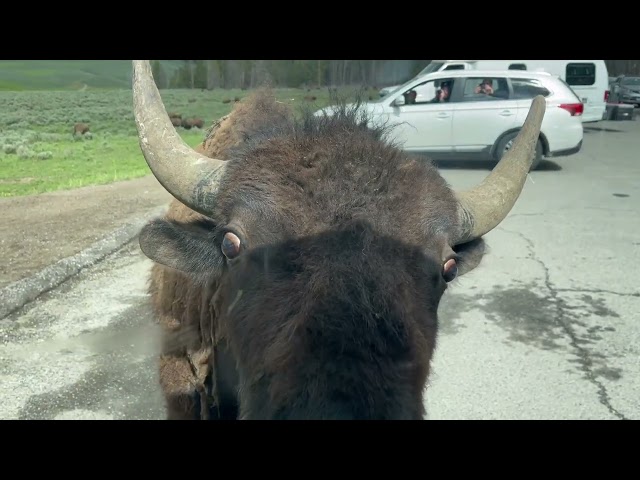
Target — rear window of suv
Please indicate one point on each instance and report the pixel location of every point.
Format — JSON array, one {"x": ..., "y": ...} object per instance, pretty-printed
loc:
[
  {"x": 528, "y": 88},
  {"x": 570, "y": 89}
]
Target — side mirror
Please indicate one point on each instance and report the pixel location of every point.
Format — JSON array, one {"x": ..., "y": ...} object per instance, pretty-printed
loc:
[{"x": 399, "y": 100}]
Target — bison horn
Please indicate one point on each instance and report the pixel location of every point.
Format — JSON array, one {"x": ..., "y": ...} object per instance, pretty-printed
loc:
[
  {"x": 482, "y": 208},
  {"x": 190, "y": 177}
]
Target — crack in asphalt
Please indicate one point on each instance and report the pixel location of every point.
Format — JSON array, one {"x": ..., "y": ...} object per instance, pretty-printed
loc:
[
  {"x": 604, "y": 209},
  {"x": 597, "y": 290},
  {"x": 582, "y": 353}
]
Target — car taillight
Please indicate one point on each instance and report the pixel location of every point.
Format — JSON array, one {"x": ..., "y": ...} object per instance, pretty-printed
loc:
[
  {"x": 575, "y": 109},
  {"x": 606, "y": 95}
]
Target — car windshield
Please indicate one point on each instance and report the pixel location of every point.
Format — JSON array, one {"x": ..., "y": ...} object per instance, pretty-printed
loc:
[
  {"x": 432, "y": 67},
  {"x": 631, "y": 81},
  {"x": 394, "y": 91}
]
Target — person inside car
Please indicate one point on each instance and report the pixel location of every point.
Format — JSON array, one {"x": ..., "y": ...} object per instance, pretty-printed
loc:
[
  {"x": 485, "y": 87},
  {"x": 442, "y": 95},
  {"x": 410, "y": 97}
]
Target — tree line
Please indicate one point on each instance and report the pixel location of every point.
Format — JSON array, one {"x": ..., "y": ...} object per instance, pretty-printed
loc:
[
  {"x": 623, "y": 67},
  {"x": 208, "y": 74}
]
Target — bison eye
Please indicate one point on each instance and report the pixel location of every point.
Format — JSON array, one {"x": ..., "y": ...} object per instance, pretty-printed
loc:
[
  {"x": 450, "y": 270},
  {"x": 230, "y": 245}
]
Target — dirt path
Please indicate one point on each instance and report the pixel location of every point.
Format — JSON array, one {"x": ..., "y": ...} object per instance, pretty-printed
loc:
[{"x": 38, "y": 230}]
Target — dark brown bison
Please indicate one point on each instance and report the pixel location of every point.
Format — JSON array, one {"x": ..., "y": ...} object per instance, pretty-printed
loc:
[
  {"x": 189, "y": 123},
  {"x": 176, "y": 119},
  {"x": 80, "y": 128},
  {"x": 299, "y": 271}
]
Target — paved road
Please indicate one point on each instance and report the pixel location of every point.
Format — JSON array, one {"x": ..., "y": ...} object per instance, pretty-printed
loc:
[{"x": 547, "y": 328}]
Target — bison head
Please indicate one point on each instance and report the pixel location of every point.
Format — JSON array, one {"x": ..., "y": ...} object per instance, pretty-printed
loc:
[{"x": 329, "y": 250}]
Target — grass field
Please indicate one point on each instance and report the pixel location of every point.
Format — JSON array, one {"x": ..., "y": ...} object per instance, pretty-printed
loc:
[{"x": 38, "y": 152}]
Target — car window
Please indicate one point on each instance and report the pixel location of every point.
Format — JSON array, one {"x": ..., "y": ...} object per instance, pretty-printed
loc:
[
  {"x": 525, "y": 88},
  {"x": 478, "y": 89},
  {"x": 454, "y": 67},
  {"x": 432, "y": 91},
  {"x": 631, "y": 81},
  {"x": 517, "y": 66}
]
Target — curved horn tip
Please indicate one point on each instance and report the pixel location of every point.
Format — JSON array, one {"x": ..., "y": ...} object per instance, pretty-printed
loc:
[
  {"x": 536, "y": 112},
  {"x": 141, "y": 64},
  {"x": 191, "y": 177},
  {"x": 481, "y": 209}
]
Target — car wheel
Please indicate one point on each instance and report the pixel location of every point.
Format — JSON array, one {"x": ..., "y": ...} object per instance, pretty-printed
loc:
[{"x": 506, "y": 142}]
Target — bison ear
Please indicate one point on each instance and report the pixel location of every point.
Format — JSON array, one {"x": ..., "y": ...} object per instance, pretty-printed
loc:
[
  {"x": 469, "y": 255},
  {"x": 190, "y": 248}
]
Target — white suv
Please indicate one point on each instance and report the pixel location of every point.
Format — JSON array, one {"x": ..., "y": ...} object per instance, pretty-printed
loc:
[{"x": 481, "y": 115}]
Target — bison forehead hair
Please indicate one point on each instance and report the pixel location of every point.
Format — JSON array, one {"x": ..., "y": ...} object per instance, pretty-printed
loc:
[
  {"x": 307, "y": 174},
  {"x": 318, "y": 249}
]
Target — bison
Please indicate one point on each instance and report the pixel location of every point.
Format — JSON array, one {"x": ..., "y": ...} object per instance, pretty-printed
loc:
[
  {"x": 299, "y": 270},
  {"x": 189, "y": 123},
  {"x": 80, "y": 128}
]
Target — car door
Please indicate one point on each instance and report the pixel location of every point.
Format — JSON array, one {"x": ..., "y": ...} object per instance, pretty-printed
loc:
[
  {"x": 483, "y": 112},
  {"x": 421, "y": 124}
]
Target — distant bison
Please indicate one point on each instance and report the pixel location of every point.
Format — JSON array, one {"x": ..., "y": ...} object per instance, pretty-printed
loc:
[
  {"x": 80, "y": 128},
  {"x": 310, "y": 98},
  {"x": 176, "y": 121},
  {"x": 189, "y": 123}
]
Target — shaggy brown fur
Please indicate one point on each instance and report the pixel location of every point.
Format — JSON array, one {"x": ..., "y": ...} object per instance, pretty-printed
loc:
[
  {"x": 182, "y": 306},
  {"x": 331, "y": 311},
  {"x": 80, "y": 128}
]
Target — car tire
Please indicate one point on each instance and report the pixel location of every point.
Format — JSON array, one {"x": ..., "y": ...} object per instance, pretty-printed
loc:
[{"x": 505, "y": 143}]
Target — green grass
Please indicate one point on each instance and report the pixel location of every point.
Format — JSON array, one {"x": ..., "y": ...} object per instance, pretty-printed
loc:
[
  {"x": 66, "y": 164},
  {"x": 38, "y": 152}
]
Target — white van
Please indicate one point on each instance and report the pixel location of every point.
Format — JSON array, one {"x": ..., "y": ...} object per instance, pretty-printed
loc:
[{"x": 589, "y": 79}]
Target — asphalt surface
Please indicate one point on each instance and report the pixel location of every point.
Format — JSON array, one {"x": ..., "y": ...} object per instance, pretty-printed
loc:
[{"x": 546, "y": 328}]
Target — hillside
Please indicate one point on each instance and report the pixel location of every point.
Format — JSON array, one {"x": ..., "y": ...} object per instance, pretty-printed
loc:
[{"x": 68, "y": 74}]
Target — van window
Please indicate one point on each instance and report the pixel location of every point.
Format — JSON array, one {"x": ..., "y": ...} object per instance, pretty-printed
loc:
[
  {"x": 581, "y": 73},
  {"x": 525, "y": 88},
  {"x": 454, "y": 67},
  {"x": 517, "y": 66}
]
